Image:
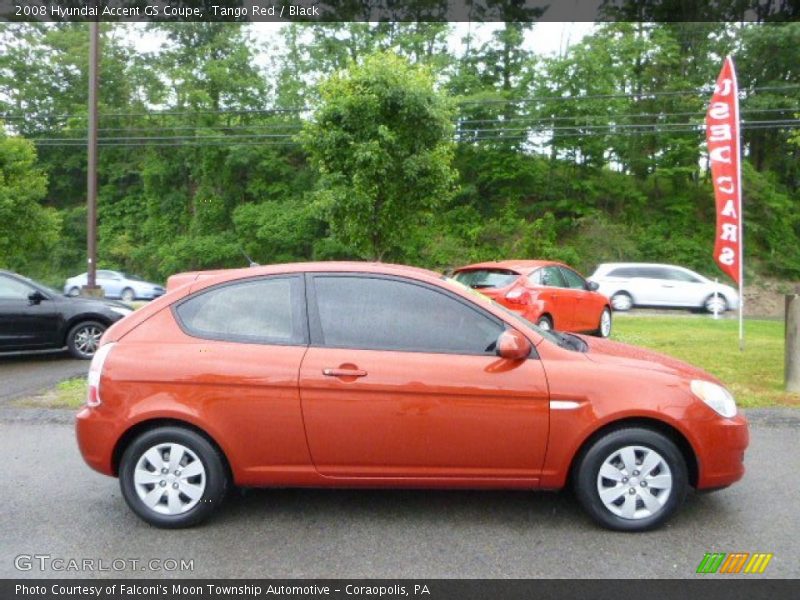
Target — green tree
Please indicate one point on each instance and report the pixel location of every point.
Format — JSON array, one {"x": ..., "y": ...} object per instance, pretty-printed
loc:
[
  {"x": 381, "y": 139},
  {"x": 26, "y": 227}
]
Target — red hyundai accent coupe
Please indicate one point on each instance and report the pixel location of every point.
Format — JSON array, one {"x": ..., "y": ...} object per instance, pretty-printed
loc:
[
  {"x": 550, "y": 294},
  {"x": 373, "y": 375}
]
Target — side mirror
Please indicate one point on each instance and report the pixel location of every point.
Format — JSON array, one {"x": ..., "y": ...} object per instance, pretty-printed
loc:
[
  {"x": 512, "y": 345},
  {"x": 592, "y": 286},
  {"x": 36, "y": 297}
]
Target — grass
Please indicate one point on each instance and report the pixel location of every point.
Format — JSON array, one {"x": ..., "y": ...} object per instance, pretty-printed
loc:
[
  {"x": 754, "y": 376},
  {"x": 67, "y": 394}
]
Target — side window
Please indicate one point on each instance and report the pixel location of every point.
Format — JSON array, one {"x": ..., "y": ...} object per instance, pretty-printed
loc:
[
  {"x": 268, "y": 311},
  {"x": 551, "y": 276},
  {"x": 11, "y": 289},
  {"x": 574, "y": 280},
  {"x": 386, "y": 314},
  {"x": 676, "y": 275},
  {"x": 535, "y": 278}
]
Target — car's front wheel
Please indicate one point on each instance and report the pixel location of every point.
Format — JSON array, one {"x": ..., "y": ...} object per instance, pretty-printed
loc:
[
  {"x": 173, "y": 477},
  {"x": 604, "y": 327},
  {"x": 631, "y": 479},
  {"x": 74, "y": 292},
  {"x": 83, "y": 339}
]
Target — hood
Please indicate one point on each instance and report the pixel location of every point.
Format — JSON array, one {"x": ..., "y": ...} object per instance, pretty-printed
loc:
[{"x": 614, "y": 353}]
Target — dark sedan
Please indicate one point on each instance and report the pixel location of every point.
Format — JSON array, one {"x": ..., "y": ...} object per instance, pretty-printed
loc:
[{"x": 36, "y": 317}]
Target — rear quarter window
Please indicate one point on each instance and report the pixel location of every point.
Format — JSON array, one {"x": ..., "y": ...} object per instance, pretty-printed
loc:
[{"x": 268, "y": 310}]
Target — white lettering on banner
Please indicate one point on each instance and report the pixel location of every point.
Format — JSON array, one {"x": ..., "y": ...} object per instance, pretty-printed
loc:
[
  {"x": 725, "y": 184},
  {"x": 729, "y": 210},
  {"x": 719, "y": 111},
  {"x": 727, "y": 256},
  {"x": 729, "y": 232},
  {"x": 720, "y": 133},
  {"x": 726, "y": 89},
  {"x": 721, "y": 154}
]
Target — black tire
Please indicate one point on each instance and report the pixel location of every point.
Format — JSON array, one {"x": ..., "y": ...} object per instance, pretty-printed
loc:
[
  {"x": 622, "y": 301},
  {"x": 128, "y": 295},
  {"x": 599, "y": 331},
  {"x": 83, "y": 339},
  {"x": 216, "y": 477},
  {"x": 545, "y": 322},
  {"x": 587, "y": 470},
  {"x": 74, "y": 292}
]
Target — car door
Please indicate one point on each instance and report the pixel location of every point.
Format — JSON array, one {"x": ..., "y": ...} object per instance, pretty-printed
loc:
[
  {"x": 111, "y": 282},
  {"x": 558, "y": 297},
  {"x": 681, "y": 288},
  {"x": 401, "y": 381},
  {"x": 585, "y": 317},
  {"x": 25, "y": 325}
]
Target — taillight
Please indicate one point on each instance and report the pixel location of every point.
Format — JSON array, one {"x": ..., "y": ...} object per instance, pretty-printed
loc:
[
  {"x": 95, "y": 372},
  {"x": 518, "y": 296}
]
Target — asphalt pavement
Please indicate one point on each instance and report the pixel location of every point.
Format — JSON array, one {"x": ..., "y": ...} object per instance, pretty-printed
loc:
[
  {"x": 25, "y": 374},
  {"x": 55, "y": 505}
]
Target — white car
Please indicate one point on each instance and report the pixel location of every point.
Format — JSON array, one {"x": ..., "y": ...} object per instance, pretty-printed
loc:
[
  {"x": 645, "y": 284},
  {"x": 117, "y": 285}
]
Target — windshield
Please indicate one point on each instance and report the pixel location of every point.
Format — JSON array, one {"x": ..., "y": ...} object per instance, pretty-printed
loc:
[
  {"x": 486, "y": 278},
  {"x": 42, "y": 286}
]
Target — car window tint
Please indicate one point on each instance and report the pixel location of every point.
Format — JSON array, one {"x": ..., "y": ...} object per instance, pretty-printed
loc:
[
  {"x": 486, "y": 278},
  {"x": 11, "y": 289},
  {"x": 106, "y": 274},
  {"x": 678, "y": 275},
  {"x": 386, "y": 314},
  {"x": 262, "y": 310},
  {"x": 574, "y": 280},
  {"x": 551, "y": 276}
]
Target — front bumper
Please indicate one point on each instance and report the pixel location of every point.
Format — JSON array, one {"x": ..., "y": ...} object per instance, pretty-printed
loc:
[{"x": 720, "y": 455}]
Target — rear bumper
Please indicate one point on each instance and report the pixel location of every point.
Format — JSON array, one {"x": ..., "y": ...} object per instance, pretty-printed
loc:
[
  {"x": 97, "y": 437},
  {"x": 721, "y": 454}
]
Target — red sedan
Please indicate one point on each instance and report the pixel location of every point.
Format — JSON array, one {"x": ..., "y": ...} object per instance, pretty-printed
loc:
[
  {"x": 547, "y": 293},
  {"x": 374, "y": 375}
]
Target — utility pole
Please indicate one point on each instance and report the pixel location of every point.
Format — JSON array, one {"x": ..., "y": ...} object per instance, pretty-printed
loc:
[{"x": 91, "y": 289}]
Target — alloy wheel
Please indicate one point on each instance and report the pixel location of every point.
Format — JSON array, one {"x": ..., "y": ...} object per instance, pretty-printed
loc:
[{"x": 87, "y": 339}]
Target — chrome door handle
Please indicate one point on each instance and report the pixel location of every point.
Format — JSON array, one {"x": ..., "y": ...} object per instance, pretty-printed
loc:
[{"x": 344, "y": 372}]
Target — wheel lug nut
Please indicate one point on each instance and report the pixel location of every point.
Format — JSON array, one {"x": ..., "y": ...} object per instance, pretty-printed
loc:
[
  {"x": 177, "y": 472},
  {"x": 624, "y": 480},
  {"x": 635, "y": 473},
  {"x": 162, "y": 483},
  {"x": 164, "y": 471},
  {"x": 644, "y": 484},
  {"x": 632, "y": 491},
  {"x": 175, "y": 486}
]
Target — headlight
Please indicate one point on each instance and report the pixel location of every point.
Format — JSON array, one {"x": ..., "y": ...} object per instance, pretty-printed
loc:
[
  {"x": 121, "y": 311},
  {"x": 716, "y": 396}
]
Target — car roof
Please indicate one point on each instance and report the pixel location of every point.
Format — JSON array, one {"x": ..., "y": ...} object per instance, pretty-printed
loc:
[
  {"x": 221, "y": 275},
  {"x": 615, "y": 265},
  {"x": 521, "y": 266}
]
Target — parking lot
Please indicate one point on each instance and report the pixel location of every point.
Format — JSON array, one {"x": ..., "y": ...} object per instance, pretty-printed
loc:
[{"x": 54, "y": 505}]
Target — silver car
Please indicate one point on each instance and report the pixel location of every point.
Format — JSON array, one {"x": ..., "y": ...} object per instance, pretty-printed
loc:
[
  {"x": 646, "y": 284},
  {"x": 116, "y": 284}
]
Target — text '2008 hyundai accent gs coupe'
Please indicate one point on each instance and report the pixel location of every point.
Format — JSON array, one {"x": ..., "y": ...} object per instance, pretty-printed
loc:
[{"x": 373, "y": 375}]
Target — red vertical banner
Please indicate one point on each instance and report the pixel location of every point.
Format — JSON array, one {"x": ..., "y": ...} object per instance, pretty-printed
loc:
[{"x": 722, "y": 136}]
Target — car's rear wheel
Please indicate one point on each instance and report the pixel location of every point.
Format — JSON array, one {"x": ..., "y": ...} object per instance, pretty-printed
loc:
[
  {"x": 83, "y": 339},
  {"x": 173, "y": 477},
  {"x": 716, "y": 303},
  {"x": 622, "y": 301},
  {"x": 545, "y": 322},
  {"x": 604, "y": 327},
  {"x": 128, "y": 295},
  {"x": 631, "y": 479}
]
